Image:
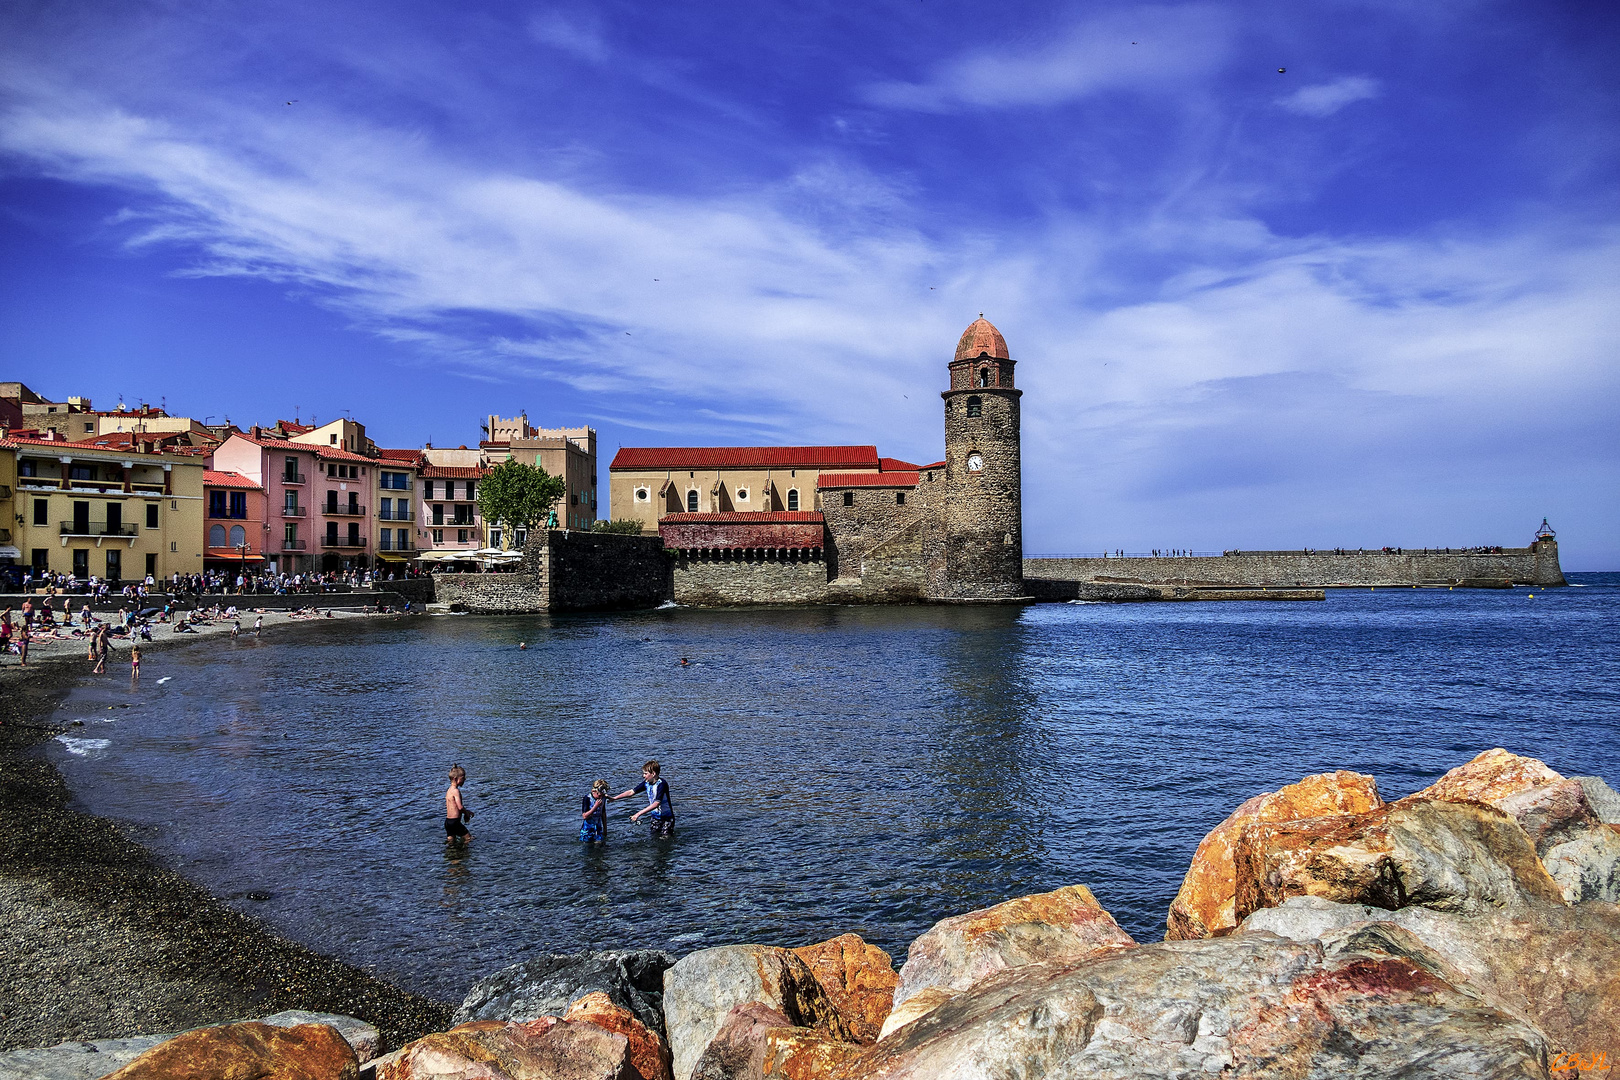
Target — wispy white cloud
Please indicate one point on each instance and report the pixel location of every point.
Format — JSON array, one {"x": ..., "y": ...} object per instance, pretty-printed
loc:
[
  {"x": 1145, "y": 49},
  {"x": 1325, "y": 99},
  {"x": 578, "y": 32}
]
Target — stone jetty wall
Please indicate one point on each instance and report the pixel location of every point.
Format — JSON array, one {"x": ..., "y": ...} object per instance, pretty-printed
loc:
[
  {"x": 564, "y": 570},
  {"x": 1534, "y": 565}
]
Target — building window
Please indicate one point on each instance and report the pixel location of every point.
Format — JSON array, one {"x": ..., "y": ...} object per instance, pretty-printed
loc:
[
  {"x": 461, "y": 536},
  {"x": 385, "y": 509},
  {"x": 793, "y": 498},
  {"x": 742, "y": 494},
  {"x": 494, "y": 538},
  {"x": 289, "y": 534},
  {"x": 975, "y": 407},
  {"x": 151, "y": 515},
  {"x": 642, "y": 494},
  {"x": 42, "y": 512},
  {"x": 174, "y": 545},
  {"x": 81, "y": 472},
  {"x": 216, "y": 536},
  {"x": 427, "y": 489},
  {"x": 472, "y": 491},
  {"x": 90, "y": 429},
  {"x": 984, "y": 376},
  {"x": 849, "y": 498},
  {"x": 292, "y": 469},
  {"x": 520, "y": 537},
  {"x": 238, "y": 536},
  {"x": 238, "y": 504},
  {"x": 387, "y": 540},
  {"x": 27, "y": 468},
  {"x": 900, "y": 498},
  {"x": 332, "y": 439},
  {"x": 691, "y": 501},
  {"x": 438, "y": 536}
]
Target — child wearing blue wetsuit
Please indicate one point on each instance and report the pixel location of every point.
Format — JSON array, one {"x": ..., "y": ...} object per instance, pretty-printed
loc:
[
  {"x": 593, "y": 808},
  {"x": 659, "y": 807}
]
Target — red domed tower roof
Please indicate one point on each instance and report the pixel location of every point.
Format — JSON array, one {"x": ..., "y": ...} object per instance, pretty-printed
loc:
[{"x": 981, "y": 338}]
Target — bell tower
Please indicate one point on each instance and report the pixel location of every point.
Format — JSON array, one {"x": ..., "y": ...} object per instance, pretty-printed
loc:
[{"x": 981, "y": 513}]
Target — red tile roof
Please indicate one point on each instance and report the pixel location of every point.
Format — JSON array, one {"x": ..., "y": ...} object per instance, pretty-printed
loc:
[
  {"x": 894, "y": 464},
  {"x": 274, "y": 443},
  {"x": 227, "y": 479},
  {"x": 337, "y": 453},
  {"x": 775, "y": 517},
  {"x": 402, "y": 457},
  {"x": 452, "y": 472},
  {"x": 855, "y": 479},
  {"x": 745, "y": 457},
  {"x": 931, "y": 465}
]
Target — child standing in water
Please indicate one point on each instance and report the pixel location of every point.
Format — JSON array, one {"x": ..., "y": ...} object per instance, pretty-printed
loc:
[
  {"x": 455, "y": 810},
  {"x": 593, "y": 808},
  {"x": 658, "y": 805}
]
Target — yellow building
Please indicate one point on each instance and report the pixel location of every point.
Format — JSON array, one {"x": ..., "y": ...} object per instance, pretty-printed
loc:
[{"x": 99, "y": 512}]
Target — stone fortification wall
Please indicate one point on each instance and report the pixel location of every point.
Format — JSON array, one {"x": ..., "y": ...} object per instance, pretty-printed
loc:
[
  {"x": 1535, "y": 565},
  {"x": 567, "y": 571},
  {"x": 726, "y": 579}
]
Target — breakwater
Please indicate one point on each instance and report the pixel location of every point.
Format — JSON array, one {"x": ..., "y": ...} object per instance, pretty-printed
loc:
[{"x": 1339, "y": 568}]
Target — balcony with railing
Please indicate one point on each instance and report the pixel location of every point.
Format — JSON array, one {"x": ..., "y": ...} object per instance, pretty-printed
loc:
[
  {"x": 292, "y": 545},
  {"x": 402, "y": 513},
  {"x": 343, "y": 510},
  {"x": 343, "y": 541},
  {"x": 406, "y": 546},
  {"x": 294, "y": 511},
  {"x": 227, "y": 512},
  {"x": 96, "y": 528},
  {"x": 294, "y": 478}
]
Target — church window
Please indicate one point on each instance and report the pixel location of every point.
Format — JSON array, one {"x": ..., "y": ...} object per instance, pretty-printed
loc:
[
  {"x": 642, "y": 495},
  {"x": 742, "y": 494},
  {"x": 793, "y": 498},
  {"x": 900, "y": 498},
  {"x": 691, "y": 501},
  {"x": 849, "y": 498},
  {"x": 975, "y": 407},
  {"x": 984, "y": 376}
]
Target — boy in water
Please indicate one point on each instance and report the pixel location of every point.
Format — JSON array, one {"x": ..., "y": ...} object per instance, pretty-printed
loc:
[
  {"x": 455, "y": 810},
  {"x": 659, "y": 806},
  {"x": 135, "y": 662},
  {"x": 593, "y": 809}
]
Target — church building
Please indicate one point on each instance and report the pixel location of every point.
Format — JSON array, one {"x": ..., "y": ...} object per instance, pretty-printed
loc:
[{"x": 841, "y": 524}]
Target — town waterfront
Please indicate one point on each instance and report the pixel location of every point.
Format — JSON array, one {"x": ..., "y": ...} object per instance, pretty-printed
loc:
[{"x": 834, "y": 769}]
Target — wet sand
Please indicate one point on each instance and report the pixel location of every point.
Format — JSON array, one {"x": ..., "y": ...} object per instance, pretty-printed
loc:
[{"x": 97, "y": 939}]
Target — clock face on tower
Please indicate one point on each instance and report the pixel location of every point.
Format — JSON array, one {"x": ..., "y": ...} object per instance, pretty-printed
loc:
[{"x": 975, "y": 462}]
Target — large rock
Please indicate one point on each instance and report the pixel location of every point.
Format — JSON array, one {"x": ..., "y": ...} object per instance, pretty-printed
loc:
[
  {"x": 547, "y": 985},
  {"x": 1241, "y": 1006},
  {"x": 543, "y": 1049},
  {"x": 1550, "y": 814},
  {"x": 737, "y": 1051},
  {"x": 91, "y": 1060},
  {"x": 1489, "y": 777},
  {"x": 701, "y": 989},
  {"x": 859, "y": 980},
  {"x": 1065, "y": 924},
  {"x": 1588, "y": 867},
  {"x": 1205, "y": 905},
  {"x": 1451, "y": 856},
  {"x": 248, "y": 1051},
  {"x": 1603, "y": 799},
  {"x": 1550, "y": 965},
  {"x": 806, "y": 1054},
  {"x": 648, "y": 1051}
]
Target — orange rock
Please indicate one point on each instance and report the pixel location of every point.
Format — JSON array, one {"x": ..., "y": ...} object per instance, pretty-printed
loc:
[
  {"x": 1450, "y": 856},
  {"x": 1489, "y": 777},
  {"x": 806, "y": 1054},
  {"x": 543, "y": 1049},
  {"x": 1204, "y": 906},
  {"x": 648, "y": 1052},
  {"x": 1065, "y": 924},
  {"x": 858, "y": 978},
  {"x": 248, "y": 1051},
  {"x": 914, "y": 1007}
]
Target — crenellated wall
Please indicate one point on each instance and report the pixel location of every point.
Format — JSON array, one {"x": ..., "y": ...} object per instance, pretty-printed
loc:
[{"x": 567, "y": 571}]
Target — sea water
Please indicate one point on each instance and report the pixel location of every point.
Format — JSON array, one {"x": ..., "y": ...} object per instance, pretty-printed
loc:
[{"x": 833, "y": 769}]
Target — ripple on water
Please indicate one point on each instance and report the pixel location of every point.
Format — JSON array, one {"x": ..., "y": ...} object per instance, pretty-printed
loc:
[{"x": 845, "y": 769}]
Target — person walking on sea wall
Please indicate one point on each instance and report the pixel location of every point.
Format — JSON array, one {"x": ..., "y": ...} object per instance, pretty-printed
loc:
[{"x": 659, "y": 804}]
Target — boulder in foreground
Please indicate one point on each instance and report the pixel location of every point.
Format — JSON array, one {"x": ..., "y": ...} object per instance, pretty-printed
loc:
[
  {"x": 1205, "y": 905},
  {"x": 648, "y": 1051},
  {"x": 859, "y": 980},
  {"x": 543, "y": 1049},
  {"x": 1065, "y": 924},
  {"x": 248, "y": 1051},
  {"x": 703, "y": 987},
  {"x": 547, "y": 985}
]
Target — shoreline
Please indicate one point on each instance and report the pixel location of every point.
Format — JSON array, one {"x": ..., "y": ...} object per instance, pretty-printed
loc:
[{"x": 98, "y": 939}]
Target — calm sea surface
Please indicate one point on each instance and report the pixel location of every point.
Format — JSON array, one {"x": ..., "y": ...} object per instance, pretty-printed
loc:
[{"x": 838, "y": 769}]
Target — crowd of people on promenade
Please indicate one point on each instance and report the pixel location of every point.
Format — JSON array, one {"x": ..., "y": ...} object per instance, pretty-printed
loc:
[{"x": 262, "y": 582}]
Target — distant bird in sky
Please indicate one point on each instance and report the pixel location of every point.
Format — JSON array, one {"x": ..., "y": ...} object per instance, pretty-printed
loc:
[
  {"x": 294, "y": 101},
  {"x": 1282, "y": 71}
]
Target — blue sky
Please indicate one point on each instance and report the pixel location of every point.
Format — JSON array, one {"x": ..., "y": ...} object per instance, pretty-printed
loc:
[{"x": 1368, "y": 300}]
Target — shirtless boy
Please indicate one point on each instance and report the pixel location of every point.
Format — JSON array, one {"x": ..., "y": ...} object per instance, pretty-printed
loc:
[{"x": 455, "y": 809}]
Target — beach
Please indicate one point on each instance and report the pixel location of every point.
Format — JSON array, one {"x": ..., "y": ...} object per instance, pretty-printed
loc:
[{"x": 97, "y": 939}]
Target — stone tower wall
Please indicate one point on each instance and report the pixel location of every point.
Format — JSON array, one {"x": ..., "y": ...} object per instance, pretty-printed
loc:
[{"x": 981, "y": 514}]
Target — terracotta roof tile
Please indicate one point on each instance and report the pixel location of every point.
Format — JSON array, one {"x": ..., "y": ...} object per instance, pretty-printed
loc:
[
  {"x": 882, "y": 479},
  {"x": 452, "y": 472},
  {"x": 227, "y": 479},
  {"x": 775, "y": 517},
  {"x": 981, "y": 338},
  {"x": 744, "y": 457},
  {"x": 894, "y": 464}
]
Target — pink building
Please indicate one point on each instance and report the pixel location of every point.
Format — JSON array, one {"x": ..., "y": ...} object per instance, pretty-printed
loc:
[
  {"x": 284, "y": 471},
  {"x": 235, "y": 525}
]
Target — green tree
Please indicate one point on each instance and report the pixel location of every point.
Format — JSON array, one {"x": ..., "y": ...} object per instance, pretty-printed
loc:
[{"x": 518, "y": 496}]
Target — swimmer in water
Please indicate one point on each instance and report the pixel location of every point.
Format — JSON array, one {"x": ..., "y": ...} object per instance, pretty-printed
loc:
[
  {"x": 523, "y": 645},
  {"x": 685, "y": 662}
]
